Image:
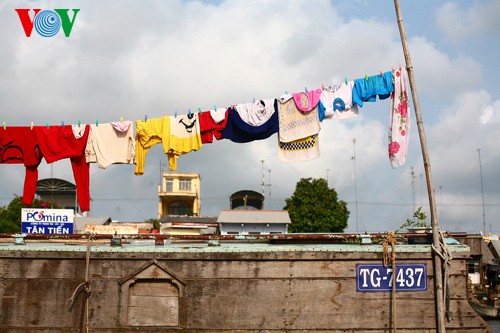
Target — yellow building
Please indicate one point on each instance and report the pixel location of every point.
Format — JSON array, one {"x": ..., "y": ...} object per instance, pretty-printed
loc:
[{"x": 179, "y": 194}]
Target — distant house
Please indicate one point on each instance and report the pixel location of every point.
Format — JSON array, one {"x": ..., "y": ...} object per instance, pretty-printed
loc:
[
  {"x": 253, "y": 222},
  {"x": 179, "y": 194}
]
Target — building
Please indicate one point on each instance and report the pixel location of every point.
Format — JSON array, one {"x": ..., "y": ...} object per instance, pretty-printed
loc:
[
  {"x": 58, "y": 191},
  {"x": 179, "y": 194},
  {"x": 253, "y": 222}
]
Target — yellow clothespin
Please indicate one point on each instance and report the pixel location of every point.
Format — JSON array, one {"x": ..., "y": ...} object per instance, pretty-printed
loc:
[
  {"x": 121, "y": 119},
  {"x": 4, "y": 126}
]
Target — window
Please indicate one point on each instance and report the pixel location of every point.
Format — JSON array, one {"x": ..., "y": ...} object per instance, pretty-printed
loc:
[
  {"x": 184, "y": 184},
  {"x": 178, "y": 208},
  {"x": 169, "y": 184}
]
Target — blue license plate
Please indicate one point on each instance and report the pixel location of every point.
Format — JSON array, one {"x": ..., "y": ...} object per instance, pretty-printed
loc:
[{"x": 409, "y": 277}]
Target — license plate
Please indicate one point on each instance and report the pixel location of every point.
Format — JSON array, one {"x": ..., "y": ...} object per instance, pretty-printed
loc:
[{"x": 409, "y": 277}]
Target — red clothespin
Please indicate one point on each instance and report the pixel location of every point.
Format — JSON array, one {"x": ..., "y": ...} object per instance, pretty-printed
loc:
[{"x": 322, "y": 86}]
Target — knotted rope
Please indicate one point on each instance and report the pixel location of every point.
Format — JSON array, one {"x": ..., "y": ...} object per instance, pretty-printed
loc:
[
  {"x": 445, "y": 254},
  {"x": 85, "y": 288},
  {"x": 390, "y": 258}
]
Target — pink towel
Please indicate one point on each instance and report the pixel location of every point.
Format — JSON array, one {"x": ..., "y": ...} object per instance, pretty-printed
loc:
[{"x": 313, "y": 98}]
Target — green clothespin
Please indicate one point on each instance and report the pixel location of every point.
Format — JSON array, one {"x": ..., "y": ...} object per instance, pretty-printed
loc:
[
  {"x": 199, "y": 110},
  {"x": 47, "y": 124},
  {"x": 366, "y": 77},
  {"x": 97, "y": 122},
  {"x": 78, "y": 123},
  {"x": 4, "y": 126}
]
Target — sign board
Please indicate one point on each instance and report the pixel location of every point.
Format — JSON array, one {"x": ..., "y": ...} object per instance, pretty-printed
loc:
[
  {"x": 47, "y": 221},
  {"x": 125, "y": 229},
  {"x": 409, "y": 277}
]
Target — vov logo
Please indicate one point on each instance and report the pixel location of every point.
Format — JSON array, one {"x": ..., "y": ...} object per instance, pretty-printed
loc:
[{"x": 47, "y": 22}]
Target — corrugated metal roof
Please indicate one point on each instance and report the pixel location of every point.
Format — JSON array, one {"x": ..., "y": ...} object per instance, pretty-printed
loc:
[{"x": 254, "y": 216}]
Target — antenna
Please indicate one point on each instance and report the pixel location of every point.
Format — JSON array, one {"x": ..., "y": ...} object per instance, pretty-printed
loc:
[
  {"x": 264, "y": 184},
  {"x": 412, "y": 174}
]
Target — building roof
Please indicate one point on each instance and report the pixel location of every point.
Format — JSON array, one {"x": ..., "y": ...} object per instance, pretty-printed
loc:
[
  {"x": 188, "y": 219},
  {"x": 495, "y": 248},
  {"x": 81, "y": 221},
  {"x": 54, "y": 186},
  {"x": 254, "y": 216}
]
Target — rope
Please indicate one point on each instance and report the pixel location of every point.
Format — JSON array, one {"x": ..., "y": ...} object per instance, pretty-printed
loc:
[
  {"x": 85, "y": 288},
  {"x": 390, "y": 258},
  {"x": 445, "y": 254}
]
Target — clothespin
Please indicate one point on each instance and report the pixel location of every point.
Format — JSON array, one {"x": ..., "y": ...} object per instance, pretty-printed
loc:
[
  {"x": 253, "y": 101},
  {"x": 286, "y": 92},
  {"x": 381, "y": 73},
  {"x": 189, "y": 112},
  {"x": 305, "y": 89},
  {"x": 62, "y": 123},
  {"x": 4, "y": 126},
  {"x": 47, "y": 124},
  {"x": 32, "y": 124},
  {"x": 78, "y": 123},
  {"x": 145, "y": 117},
  {"x": 345, "y": 80},
  {"x": 322, "y": 86},
  {"x": 199, "y": 110},
  {"x": 97, "y": 122},
  {"x": 175, "y": 114},
  {"x": 121, "y": 119},
  {"x": 392, "y": 67},
  {"x": 366, "y": 77},
  {"x": 215, "y": 107}
]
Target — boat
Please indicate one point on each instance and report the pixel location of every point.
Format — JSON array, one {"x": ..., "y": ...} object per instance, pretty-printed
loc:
[{"x": 485, "y": 299}]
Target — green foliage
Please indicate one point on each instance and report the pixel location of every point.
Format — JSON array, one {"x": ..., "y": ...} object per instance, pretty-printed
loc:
[
  {"x": 155, "y": 222},
  {"x": 10, "y": 215},
  {"x": 314, "y": 207},
  {"x": 418, "y": 221}
]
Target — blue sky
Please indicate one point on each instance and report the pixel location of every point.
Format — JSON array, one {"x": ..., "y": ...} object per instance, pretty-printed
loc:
[{"x": 135, "y": 58}]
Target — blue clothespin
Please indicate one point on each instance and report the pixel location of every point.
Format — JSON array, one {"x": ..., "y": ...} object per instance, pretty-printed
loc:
[
  {"x": 253, "y": 100},
  {"x": 145, "y": 117},
  {"x": 345, "y": 80},
  {"x": 175, "y": 114},
  {"x": 189, "y": 112},
  {"x": 305, "y": 89},
  {"x": 62, "y": 123}
]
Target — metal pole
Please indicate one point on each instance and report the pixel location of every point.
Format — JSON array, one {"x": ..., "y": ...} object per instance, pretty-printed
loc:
[
  {"x": 482, "y": 190},
  {"x": 355, "y": 183},
  {"x": 438, "y": 281}
]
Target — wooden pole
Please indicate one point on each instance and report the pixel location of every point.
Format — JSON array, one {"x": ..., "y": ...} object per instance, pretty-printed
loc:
[{"x": 438, "y": 278}]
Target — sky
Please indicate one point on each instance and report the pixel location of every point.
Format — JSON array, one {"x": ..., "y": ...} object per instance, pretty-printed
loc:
[{"x": 135, "y": 59}]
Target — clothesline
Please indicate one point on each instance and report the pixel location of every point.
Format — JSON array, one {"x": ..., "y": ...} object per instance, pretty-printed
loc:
[{"x": 295, "y": 117}]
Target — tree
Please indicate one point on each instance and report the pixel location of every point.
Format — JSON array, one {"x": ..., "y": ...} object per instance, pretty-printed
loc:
[
  {"x": 314, "y": 207},
  {"x": 10, "y": 216}
]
